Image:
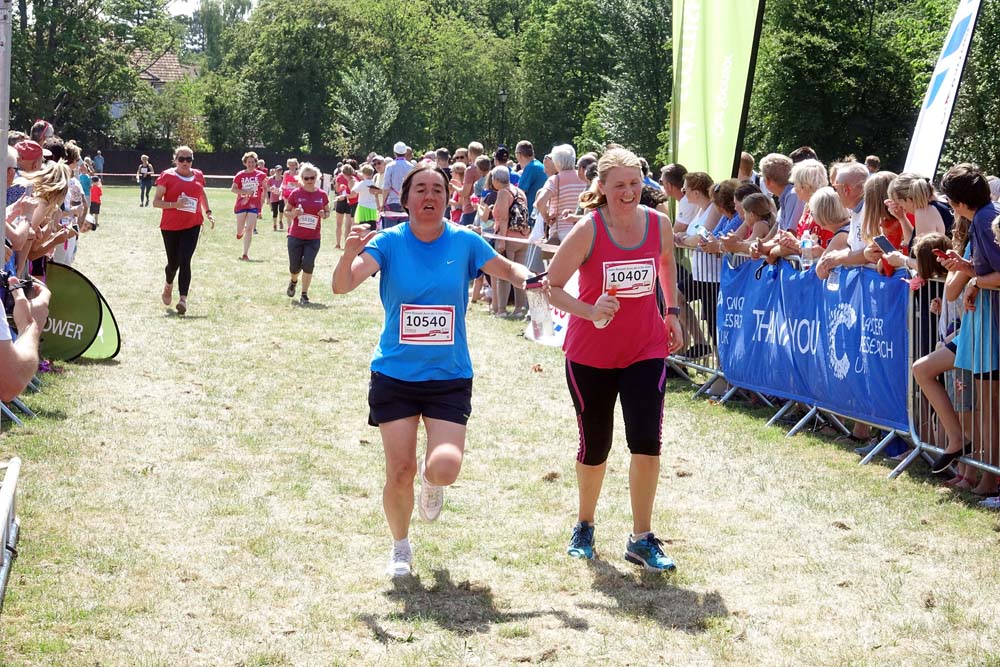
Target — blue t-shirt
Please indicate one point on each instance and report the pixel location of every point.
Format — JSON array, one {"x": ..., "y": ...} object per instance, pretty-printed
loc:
[
  {"x": 790, "y": 208},
  {"x": 532, "y": 179},
  {"x": 85, "y": 185},
  {"x": 978, "y": 346},
  {"x": 727, "y": 225},
  {"x": 424, "y": 289}
]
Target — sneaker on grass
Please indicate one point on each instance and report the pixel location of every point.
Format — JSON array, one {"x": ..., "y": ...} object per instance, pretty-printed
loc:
[
  {"x": 581, "y": 545},
  {"x": 400, "y": 559},
  {"x": 991, "y": 503},
  {"x": 430, "y": 500},
  {"x": 647, "y": 552},
  {"x": 291, "y": 288}
]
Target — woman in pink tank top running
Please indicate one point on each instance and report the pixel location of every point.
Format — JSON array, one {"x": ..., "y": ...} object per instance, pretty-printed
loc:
[{"x": 617, "y": 343}]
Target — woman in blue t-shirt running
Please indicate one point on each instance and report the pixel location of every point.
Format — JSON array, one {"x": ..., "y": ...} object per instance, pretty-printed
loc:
[{"x": 421, "y": 366}]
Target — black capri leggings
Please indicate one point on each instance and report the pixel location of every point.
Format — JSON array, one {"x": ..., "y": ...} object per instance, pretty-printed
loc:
[
  {"x": 302, "y": 254},
  {"x": 277, "y": 207},
  {"x": 180, "y": 246},
  {"x": 594, "y": 392}
]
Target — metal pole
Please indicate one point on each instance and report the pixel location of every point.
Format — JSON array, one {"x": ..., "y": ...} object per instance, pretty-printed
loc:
[{"x": 6, "y": 22}]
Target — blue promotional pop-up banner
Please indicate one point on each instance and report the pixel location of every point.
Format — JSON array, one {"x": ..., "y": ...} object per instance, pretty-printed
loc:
[{"x": 840, "y": 344}]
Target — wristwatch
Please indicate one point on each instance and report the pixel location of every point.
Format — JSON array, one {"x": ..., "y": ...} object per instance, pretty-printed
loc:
[{"x": 674, "y": 310}]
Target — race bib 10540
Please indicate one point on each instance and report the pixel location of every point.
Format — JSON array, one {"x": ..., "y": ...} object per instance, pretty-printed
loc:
[{"x": 426, "y": 325}]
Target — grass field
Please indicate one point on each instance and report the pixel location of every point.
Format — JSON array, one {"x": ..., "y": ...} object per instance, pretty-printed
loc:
[{"x": 213, "y": 497}]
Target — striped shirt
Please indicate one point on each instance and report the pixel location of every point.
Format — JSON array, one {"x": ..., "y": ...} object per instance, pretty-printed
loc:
[{"x": 566, "y": 188}]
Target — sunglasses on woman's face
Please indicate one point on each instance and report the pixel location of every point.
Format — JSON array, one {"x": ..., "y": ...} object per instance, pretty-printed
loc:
[
  {"x": 185, "y": 158},
  {"x": 308, "y": 178}
]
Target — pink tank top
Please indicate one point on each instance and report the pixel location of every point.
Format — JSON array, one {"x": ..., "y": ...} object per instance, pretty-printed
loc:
[{"x": 637, "y": 331}]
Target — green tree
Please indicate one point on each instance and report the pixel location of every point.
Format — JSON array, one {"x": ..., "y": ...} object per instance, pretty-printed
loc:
[
  {"x": 565, "y": 66},
  {"x": 635, "y": 107},
  {"x": 365, "y": 106},
  {"x": 76, "y": 60}
]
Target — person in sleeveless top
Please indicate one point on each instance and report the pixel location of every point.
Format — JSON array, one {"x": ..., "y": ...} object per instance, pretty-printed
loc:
[{"x": 617, "y": 343}]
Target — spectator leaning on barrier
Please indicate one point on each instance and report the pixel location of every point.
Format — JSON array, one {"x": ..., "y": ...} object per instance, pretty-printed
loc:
[
  {"x": 879, "y": 221},
  {"x": 977, "y": 347},
  {"x": 672, "y": 179},
  {"x": 850, "y": 187},
  {"x": 913, "y": 195},
  {"x": 777, "y": 171},
  {"x": 19, "y": 358}
]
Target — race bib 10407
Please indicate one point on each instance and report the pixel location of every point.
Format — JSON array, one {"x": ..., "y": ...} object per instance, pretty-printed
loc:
[
  {"x": 630, "y": 278},
  {"x": 426, "y": 325}
]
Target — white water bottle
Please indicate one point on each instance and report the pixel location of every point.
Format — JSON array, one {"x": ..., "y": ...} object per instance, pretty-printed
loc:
[
  {"x": 805, "y": 252},
  {"x": 603, "y": 322}
]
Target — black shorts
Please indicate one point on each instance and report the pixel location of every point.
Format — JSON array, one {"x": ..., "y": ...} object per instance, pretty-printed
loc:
[
  {"x": 95, "y": 208},
  {"x": 302, "y": 254},
  {"x": 390, "y": 399},
  {"x": 685, "y": 283},
  {"x": 342, "y": 206},
  {"x": 595, "y": 391}
]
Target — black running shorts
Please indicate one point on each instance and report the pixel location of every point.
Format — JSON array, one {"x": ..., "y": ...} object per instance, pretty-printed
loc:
[{"x": 390, "y": 399}]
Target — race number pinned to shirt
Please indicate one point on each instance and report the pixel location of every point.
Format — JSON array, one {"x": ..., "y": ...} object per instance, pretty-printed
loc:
[
  {"x": 426, "y": 325},
  {"x": 249, "y": 185},
  {"x": 307, "y": 221},
  {"x": 187, "y": 204},
  {"x": 631, "y": 278}
]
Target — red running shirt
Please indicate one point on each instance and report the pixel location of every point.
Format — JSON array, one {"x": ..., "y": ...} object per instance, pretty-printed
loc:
[
  {"x": 637, "y": 330},
  {"x": 251, "y": 187},
  {"x": 307, "y": 226},
  {"x": 289, "y": 182},
  {"x": 185, "y": 189}
]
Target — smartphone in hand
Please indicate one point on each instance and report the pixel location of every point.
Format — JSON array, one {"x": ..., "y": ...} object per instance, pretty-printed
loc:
[{"x": 884, "y": 243}]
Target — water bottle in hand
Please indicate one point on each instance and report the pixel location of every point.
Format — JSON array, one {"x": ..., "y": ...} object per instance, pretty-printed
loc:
[
  {"x": 805, "y": 252},
  {"x": 601, "y": 323}
]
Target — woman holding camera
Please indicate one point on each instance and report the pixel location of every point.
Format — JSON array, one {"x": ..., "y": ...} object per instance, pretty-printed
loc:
[{"x": 180, "y": 192}]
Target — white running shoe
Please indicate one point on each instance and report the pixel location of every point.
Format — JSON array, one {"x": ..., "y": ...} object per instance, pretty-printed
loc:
[
  {"x": 430, "y": 500},
  {"x": 400, "y": 561}
]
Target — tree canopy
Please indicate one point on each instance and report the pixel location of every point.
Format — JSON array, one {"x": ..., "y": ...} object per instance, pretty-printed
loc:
[{"x": 347, "y": 77}]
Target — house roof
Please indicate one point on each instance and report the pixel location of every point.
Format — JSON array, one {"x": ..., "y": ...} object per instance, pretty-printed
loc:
[{"x": 162, "y": 70}]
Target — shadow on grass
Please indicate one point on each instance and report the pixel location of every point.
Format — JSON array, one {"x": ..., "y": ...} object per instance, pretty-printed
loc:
[
  {"x": 312, "y": 305},
  {"x": 655, "y": 596},
  {"x": 96, "y": 362},
  {"x": 463, "y": 608}
]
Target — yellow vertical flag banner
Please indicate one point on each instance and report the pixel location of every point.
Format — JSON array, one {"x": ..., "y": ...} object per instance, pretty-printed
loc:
[{"x": 715, "y": 52}]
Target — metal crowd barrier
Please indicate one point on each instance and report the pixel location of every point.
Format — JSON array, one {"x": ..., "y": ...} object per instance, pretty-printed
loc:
[
  {"x": 10, "y": 525},
  {"x": 698, "y": 278},
  {"x": 974, "y": 391}
]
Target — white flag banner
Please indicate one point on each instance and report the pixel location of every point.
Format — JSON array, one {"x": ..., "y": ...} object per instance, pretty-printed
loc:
[{"x": 935, "y": 113}]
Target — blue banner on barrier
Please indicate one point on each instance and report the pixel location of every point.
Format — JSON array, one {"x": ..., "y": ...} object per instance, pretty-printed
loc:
[{"x": 840, "y": 344}]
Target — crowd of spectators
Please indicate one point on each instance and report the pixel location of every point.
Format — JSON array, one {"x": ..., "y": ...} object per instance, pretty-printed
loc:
[{"x": 49, "y": 205}]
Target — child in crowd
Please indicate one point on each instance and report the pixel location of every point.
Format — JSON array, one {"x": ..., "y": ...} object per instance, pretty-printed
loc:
[
  {"x": 96, "y": 192},
  {"x": 367, "y": 211}
]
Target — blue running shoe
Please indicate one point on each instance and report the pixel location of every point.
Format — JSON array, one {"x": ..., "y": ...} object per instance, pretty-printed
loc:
[
  {"x": 582, "y": 543},
  {"x": 648, "y": 553}
]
